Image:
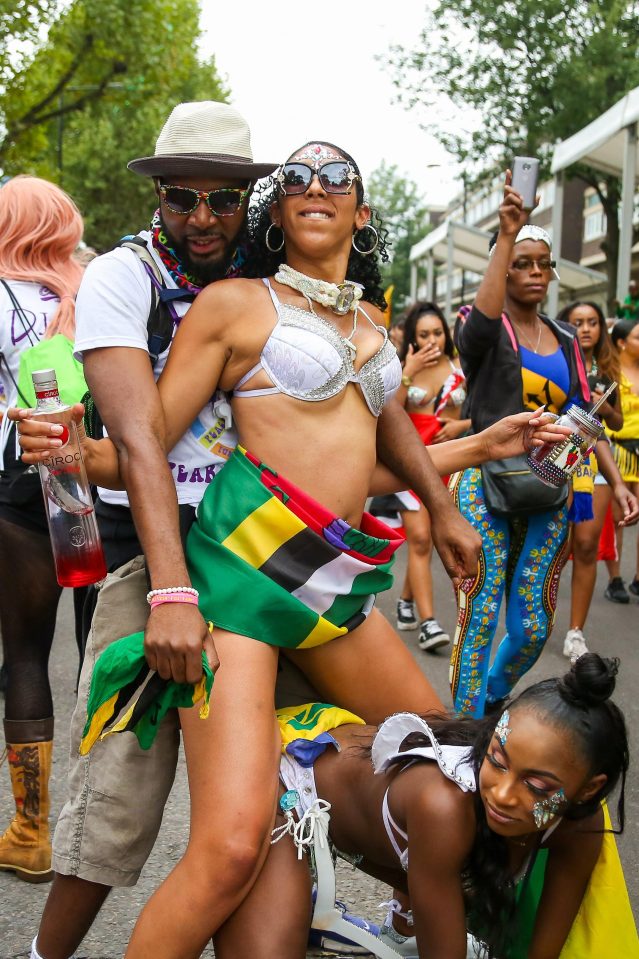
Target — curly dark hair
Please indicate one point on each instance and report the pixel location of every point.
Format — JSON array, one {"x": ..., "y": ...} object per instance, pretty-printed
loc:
[
  {"x": 364, "y": 269},
  {"x": 579, "y": 702},
  {"x": 419, "y": 309}
]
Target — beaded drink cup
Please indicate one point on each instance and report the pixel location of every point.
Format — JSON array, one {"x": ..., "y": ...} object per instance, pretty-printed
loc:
[{"x": 554, "y": 463}]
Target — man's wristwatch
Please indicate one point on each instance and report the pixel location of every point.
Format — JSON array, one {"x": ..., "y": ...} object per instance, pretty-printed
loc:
[{"x": 407, "y": 380}]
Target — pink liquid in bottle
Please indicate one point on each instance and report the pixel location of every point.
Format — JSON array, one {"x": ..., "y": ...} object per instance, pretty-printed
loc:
[{"x": 75, "y": 540}]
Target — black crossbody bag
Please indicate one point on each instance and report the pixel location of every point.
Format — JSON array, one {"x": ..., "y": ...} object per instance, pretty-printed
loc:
[{"x": 512, "y": 489}]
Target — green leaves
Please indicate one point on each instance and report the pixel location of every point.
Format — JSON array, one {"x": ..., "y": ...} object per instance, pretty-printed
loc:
[
  {"x": 86, "y": 86},
  {"x": 530, "y": 71},
  {"x": 402, "y": 208}
]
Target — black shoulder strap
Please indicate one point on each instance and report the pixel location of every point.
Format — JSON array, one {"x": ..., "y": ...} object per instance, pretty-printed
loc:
[{"x": 159, "y": 325}]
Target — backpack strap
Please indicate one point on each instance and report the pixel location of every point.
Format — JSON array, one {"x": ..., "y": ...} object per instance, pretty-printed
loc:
[{"x": 160, "y": 323}]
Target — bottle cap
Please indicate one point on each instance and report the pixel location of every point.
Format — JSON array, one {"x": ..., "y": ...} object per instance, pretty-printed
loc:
[{"x": 40, "y": 377}]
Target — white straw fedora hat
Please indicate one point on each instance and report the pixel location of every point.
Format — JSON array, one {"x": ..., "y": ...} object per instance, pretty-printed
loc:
[{"x": 203, "y": 139}]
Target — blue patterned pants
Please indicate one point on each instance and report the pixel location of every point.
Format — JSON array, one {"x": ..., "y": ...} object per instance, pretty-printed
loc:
[{"x": 522, "y": 558}]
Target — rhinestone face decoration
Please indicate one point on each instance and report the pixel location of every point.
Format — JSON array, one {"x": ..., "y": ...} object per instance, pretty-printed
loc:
[
  {"x": 502, "y": 729},
  {"x": 548, "y": 808},
  {"x": 316, "y": 152}
]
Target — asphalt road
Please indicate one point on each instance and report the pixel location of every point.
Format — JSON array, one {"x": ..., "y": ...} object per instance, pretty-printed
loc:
[{"x": 612, "y": 629}]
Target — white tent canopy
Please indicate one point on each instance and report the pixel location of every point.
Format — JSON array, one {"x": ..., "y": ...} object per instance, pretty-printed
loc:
[
  {"x": 602, "y": 143},
  {"x": 466, "y": 247},
  {"x": 608, "y": 144}
]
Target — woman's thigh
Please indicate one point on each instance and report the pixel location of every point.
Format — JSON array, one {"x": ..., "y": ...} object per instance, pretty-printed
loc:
[
  {"x": 369, "y": 671},
  {"x": 274, "y": 919},
  {"x": 232, "y": 756},
  {"x": 585, "y": 536}
]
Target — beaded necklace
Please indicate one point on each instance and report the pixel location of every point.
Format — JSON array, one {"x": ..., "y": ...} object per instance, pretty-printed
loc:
[{"x": 173, "y": 265}]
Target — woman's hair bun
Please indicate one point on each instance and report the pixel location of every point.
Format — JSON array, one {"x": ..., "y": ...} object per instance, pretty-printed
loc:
[{"x": 591, "y": 680}]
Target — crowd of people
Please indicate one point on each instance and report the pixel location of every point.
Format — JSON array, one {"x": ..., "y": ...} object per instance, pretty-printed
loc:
[{"x": 232, "y": 461}]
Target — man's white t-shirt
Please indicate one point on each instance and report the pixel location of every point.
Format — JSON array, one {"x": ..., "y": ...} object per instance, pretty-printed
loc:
[
  {"x": 19, "y": 330},
  {"x": 112, "y": 309}
]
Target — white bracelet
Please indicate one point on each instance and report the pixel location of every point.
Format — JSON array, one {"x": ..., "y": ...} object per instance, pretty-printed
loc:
[{"x": 171, "y": 589}]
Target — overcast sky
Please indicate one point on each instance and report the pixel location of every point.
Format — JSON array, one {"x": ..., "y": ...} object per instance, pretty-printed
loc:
[{"x": 312, "y": 73}]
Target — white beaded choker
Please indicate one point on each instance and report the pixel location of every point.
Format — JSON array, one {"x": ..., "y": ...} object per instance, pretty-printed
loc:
[{"x": 340, "y": 298}]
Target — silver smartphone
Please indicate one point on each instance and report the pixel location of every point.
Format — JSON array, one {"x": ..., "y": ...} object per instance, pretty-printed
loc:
[{"x": 525, "y": 172}]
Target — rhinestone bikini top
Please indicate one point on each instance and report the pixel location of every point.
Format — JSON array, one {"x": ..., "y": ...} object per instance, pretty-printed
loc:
[{"x": 307, "y": 358}]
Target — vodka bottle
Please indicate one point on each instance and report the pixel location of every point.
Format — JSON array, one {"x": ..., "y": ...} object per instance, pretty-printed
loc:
[{"x": 75, "y": 540}]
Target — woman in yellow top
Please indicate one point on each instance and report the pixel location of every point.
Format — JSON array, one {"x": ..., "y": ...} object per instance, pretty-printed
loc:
[
  {"x": 625, "y": 445},
  {"x": 602, "y": 367}
]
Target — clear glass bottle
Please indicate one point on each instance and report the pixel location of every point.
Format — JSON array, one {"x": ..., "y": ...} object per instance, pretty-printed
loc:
[
  {"x": 75, "y": 540},
  {"x": 554, "y": 463}
]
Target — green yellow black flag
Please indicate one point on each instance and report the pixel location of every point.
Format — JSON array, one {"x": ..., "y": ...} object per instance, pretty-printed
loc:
[{"x": 126, "y": 695}]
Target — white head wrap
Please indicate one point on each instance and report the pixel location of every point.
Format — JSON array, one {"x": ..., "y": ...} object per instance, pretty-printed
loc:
[{"x": 536, "y": 233}]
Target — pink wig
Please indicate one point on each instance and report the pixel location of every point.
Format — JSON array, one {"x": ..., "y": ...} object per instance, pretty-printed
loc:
[{"x": 40, "y": 228}]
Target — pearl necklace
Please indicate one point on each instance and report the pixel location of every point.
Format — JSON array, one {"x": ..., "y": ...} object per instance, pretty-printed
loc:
[{"x": 338, "y": 297}]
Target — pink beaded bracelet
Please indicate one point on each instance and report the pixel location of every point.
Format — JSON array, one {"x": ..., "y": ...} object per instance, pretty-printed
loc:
[
  {"x": 188, "y": 590},
  {"x": 186, "y": 598}
]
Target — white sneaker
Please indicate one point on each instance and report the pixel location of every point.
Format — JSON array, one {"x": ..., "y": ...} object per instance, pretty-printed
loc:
[
  {"x": 431, "y": 635},
  {"x": 574, "y": 645},
  {"x": 403, "y": 946}
]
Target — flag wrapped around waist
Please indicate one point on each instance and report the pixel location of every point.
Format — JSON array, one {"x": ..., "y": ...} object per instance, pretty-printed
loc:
[
  {"x": 305, "y": 730},
  {"x": 273, "y": 564},
  {"x": 126, "y": 695}
]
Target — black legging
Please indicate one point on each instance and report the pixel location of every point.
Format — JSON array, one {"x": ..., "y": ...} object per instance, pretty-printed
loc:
[{"x": 29, "y": 597}]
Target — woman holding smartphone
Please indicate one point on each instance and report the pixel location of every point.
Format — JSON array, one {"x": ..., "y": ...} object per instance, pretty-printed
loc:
[{"x": 515, "y": 357}]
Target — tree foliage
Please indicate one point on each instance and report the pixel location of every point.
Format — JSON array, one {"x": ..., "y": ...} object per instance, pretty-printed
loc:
[
  {"x": 535, "y": 71},
  {"x": 91, "y": 91},
  {"x": 403, "y": 211}
]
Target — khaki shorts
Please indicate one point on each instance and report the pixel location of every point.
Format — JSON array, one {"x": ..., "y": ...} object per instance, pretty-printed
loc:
[{"x": 117, "y": 793}]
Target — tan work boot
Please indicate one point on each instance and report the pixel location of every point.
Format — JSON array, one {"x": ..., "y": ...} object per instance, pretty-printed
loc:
[{"x": 25, "y": 848}]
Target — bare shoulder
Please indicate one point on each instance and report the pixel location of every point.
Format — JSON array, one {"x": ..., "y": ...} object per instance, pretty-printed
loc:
[
  {"x": 578, "y": 839},
  {"x": 220, "y": 307},
  {"x": 375, "y": 313},
  {"x": 231, "y": 294},
  {"x": 433, "y": 800}
]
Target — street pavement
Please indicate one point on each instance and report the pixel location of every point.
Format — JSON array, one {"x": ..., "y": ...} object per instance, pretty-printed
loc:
[{"x": 612, "y": 629}]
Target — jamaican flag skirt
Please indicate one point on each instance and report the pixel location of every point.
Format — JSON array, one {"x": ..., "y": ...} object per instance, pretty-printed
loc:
[{"x": 271, "y": 563}]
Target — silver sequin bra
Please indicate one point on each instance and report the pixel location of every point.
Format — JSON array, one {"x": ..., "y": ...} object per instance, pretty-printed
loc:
[{"x": 307, "y": 358}]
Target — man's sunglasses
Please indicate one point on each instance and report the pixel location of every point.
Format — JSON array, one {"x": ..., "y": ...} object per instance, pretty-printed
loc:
[
  {"x": 184, "y": 199},
  {"x": 336, "y": 176}
]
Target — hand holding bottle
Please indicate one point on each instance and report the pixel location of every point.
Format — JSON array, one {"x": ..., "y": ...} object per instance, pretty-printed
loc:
[{"x": 75, "y": 540}]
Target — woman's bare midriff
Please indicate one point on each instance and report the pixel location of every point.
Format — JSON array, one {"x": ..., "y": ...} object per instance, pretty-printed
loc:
[{"x": 327, "y": 448}]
